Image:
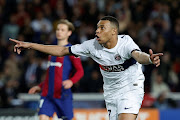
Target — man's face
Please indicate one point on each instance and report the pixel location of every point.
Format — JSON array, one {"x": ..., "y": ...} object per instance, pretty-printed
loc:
[
  {"x": 104, "y": 31},
  {"x": 62, "y": 32}
]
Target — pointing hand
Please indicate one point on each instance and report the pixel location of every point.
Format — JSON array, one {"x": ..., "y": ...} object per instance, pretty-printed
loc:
[{"x": 155, "y": 57}]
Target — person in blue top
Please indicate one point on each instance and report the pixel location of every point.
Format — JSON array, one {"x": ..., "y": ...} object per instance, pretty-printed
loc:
[{"x": 62, "y": 73}]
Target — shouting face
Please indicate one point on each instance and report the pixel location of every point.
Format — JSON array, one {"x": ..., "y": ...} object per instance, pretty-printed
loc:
[{"x": 105, "y": 31}]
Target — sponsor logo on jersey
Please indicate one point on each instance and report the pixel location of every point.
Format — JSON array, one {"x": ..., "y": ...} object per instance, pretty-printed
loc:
[
  {"x": 119, "y": 67},
  {"x": 57, "y": 64},
  {"x": 113, "y": 68}
]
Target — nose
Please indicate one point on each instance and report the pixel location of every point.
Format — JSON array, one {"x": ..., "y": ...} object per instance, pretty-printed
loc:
[{"x": 97, "y": 31}]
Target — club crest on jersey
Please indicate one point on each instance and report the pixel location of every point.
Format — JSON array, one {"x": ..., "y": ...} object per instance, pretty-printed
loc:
[{"x": 117, "y": 57}]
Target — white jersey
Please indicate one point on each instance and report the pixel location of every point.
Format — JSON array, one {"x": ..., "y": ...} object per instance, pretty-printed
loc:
[{"x": 117, "y": 66}]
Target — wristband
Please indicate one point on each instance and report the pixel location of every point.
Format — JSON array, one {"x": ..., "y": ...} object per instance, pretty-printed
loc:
[{"x": 150, "y": 60}]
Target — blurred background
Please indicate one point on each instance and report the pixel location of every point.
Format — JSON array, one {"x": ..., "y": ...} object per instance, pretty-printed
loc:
[{"x": 152, "y": 24}]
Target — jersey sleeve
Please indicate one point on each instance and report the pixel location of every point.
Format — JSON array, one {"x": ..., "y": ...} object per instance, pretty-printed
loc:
[
  {"x": 79, "y": 72},
  {"x": 80, "y": 49},
  {"x": 41, "y": 84},
  {"x": 130, "y": 46}
]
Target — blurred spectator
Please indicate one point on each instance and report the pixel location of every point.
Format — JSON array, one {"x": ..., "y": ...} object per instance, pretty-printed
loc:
[
  {"x": 173, "y": 80},
  {"x": 148, "y": 30},
  {"x": 174, "y": 11},
  {"x": 91, "y": 16},
  {"x": 160, "y": 15},
  {"x": 95, "y": 82},
  {"x": 89, "y": 66},
  {"x": 165, "y": 66},
  {"x": 77, "y": 14},
  {"x": 163, "y": 103},
  {"x": 11, "y": 67},
  {"x": 11, "y": 29},
  {"x": 27, "y": 30},
  {"x": 10, "y": 70},
  {"x": 124, "y": 16},
  {"x": 48, "y": 14},
  {"x": 32, "y": 71},
  {"x": 21, "y": 15},
  {"x": 41, "y": 24},
  {"x": 158, "y": 85},
  {"x": 11, "y": 90},
  {"x": 160, "y": 44},
  {"x": 176, "y": 38},
  {"x": 137, "y": 12},
  {"x": 60, "y": 10},
  {"x": 147, "y": 36}
]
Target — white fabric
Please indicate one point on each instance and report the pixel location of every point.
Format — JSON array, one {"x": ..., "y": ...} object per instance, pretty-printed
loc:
[
  {"x": 128, "y": 100},
  {"x": 114, "y": 82}
]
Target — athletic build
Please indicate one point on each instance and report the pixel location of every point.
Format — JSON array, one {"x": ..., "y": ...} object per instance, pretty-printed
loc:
[{"x": 119, "y": 59}]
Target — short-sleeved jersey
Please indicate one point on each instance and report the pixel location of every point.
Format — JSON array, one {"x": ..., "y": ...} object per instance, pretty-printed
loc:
[{"x": 117, "y": 66}]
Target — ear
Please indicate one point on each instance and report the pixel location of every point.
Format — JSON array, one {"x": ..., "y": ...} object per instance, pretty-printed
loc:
[
  {"x": 69, "y": 33},
  {"x": 114, "y": 31}
]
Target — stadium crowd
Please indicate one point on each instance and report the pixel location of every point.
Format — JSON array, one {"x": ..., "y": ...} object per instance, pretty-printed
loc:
[{"x": 151, "y": 23}]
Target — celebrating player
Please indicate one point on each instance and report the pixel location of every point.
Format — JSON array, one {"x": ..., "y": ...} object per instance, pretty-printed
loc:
[
  {"x": 56, "y": 94},
  {"x": 120, "y": 62}
]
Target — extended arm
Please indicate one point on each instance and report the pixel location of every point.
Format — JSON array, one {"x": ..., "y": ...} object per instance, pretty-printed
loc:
[
  {"x": 54, "y": 50},
  {"x": 145, "y": 58}
]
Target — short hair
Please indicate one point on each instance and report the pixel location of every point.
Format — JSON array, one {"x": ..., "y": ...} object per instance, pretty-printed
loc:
[
  {"x": 112, "y": 20},
  {"x": 66, "y": 22}
]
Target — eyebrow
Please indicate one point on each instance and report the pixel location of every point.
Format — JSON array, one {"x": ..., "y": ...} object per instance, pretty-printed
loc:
[{"x": 100, "y": 25}]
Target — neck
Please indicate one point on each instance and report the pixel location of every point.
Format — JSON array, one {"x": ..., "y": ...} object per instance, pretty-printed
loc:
[
  {"x": 111, "y": 43},
  {"x": 62, "y": 42}
]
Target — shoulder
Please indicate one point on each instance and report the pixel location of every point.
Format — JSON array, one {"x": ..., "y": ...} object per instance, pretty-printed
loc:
[
  {"x": 125, "y": 37},
  {"x": 90, "y": 43},
  {"x": 84, "y": 47}
]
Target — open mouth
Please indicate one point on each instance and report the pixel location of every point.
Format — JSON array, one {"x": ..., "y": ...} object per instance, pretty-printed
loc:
[{"x": 97, "y": 37}]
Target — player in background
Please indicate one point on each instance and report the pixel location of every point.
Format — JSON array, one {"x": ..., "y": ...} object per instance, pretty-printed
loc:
[
  {"x": 119, "y": 59},
  {"x": 56, "y": 95}
]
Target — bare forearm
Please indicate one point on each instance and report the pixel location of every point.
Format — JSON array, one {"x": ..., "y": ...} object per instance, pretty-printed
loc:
[
  {"x": 141, "y": 57},
  {"x": 54, "y": 50},
  {"x": 144, "y": 58}
]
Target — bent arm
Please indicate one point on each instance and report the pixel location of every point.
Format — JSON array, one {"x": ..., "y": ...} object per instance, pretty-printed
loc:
[
  {"x": 141, "y": 57},
  {"x": 79, "y": 71},
  {"x": 145, "y": 58}
]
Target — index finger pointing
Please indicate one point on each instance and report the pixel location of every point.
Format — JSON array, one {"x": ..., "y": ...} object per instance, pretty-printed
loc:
[
  {"x": 158, "y": 54},
  {"x": 16, "y": 41}
]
